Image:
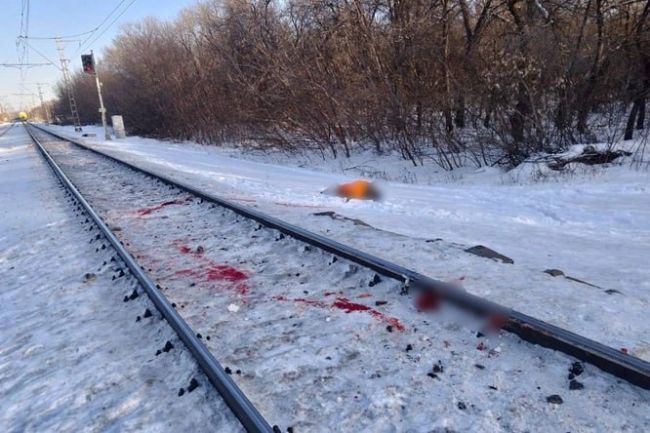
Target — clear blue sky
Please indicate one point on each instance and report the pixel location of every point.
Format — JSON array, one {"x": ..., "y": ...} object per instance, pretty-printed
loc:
[{"x": 63, "y": 17}]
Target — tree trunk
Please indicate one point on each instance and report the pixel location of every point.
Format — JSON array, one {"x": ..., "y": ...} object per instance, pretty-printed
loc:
[
  {"x": 629, "y": 128},
  {"x": 640, "y": 123}
]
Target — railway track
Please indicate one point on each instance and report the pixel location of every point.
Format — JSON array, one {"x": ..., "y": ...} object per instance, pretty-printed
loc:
[
  {"x": 7, "y": 129},
  {"x": 211, "y": 245}
]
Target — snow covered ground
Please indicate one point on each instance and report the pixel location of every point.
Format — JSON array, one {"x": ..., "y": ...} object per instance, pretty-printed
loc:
[
  {"x": 72, "y": 356},
  {"x": 319, "y": 344},
  {"x": 594, "y": 226}
]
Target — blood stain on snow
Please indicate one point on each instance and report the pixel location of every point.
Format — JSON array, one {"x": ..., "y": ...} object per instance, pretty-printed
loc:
[
  {"x": 211, "y": 271},
  {"x": 225, "y": 272},
  {"x": 364, "y": 295},
  {"x": 496, "y": 322},
  {"x": 347, "y": 306},
  {"x": 149, "y": 210},
  {"x": 427, "y": 301}
]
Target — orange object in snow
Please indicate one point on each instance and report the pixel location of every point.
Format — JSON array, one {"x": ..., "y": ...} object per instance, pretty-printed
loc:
[{"x": 359, "y": 189}]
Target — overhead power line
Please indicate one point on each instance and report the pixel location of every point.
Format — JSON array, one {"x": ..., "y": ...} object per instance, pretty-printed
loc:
[
  {"x": 82, "y": 46},
  {"x": 51, "y": 62},
  {"x": 44, "y": 38}
]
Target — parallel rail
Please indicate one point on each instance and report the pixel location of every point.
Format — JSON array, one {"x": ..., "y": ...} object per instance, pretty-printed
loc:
[
  {"x": 622, "y": 365},
  {"x": 243, "y": 409}
]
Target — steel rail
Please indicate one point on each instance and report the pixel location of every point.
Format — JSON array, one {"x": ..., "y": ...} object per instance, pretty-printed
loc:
[
  {"x": 627, "y": 367},
  {"x": 242, "y": 408}
]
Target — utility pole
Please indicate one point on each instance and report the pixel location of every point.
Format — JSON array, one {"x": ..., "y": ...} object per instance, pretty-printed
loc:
[
  {"x": 102, "y": 109},
  {"x": 66, "y": 79},
  {"x": 45, "y": 107}
]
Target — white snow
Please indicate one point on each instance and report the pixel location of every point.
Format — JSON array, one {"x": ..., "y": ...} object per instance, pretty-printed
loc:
[
  {"x": 594, "y": 225},
  {"x": 72, "y": 356}
]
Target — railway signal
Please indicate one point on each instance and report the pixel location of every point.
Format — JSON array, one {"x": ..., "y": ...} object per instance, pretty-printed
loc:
[{"x": 88, "y": 62}]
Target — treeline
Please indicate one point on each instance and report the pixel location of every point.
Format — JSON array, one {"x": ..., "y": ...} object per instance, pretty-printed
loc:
[{"x": 490, "y": 80}]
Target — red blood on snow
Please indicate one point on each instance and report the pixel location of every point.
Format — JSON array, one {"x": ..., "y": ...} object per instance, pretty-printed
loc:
[
  {"x": 496, "y": 322},
  {"x": 149, "y": 210},
  {"x": 225, "y": 273},
  {"x": 211, "y": 271},
  {"x": 347, "y": 306},
  {"x": 427, "y": 301},
  {"x": 311, "y": 302},
  {"x": 364, "y": 295}
]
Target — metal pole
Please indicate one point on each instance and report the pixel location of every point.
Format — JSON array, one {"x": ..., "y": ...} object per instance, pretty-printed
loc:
[
  {"x": 43, "y": 104},
  {"x": 102, "y": 109},
  {"x": 68, "y": 84}
]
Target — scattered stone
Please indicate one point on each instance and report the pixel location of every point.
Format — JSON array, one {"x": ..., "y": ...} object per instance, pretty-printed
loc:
[
  {"x": 200, "y": 250},
  {"x": 612, "y": 292},
  {"x": 409, "y": 347},
  {"x": 193, "y": 385},
  {"x": 375, "y": 280},
  {"x": 554, "y": 399},
  {"x": 147, "y": 313},
  {"x": 554, "y": 272},
  {"x": 492, "y": 387},
  {"x": 577, "y": 368},
  {"x": 289, "y": 429},
  {"x": 133, "y": 295},
  {"x": 137, "y": 319},
  {"x": 181, "y": 392},
  {"x": 380, "y": 303},
  {"x": 575, "y": 385},
  {"x": 126, "y": 298},
  {"x": 276, "y": 429},
  {"x": 89, "y": 277},
  {"x": 227, "y": 370},
  {"x": 479, "y": 366},
  {"x": 168, "y": 346},
  {"x": 438, "y": 368},
  {"x": 199, "y": 336},
  {"x": 432, "y": 375},
  {"x": 158, "y": 352},
  {"x": 461, "y": 405},
  {"x": 482, "y": 251},
  {"x": 389, "y": 328},
  {"x": 238, "y": 372},
  {"x": 207, "y": 337},
  {"x": 479, "y": 334}
]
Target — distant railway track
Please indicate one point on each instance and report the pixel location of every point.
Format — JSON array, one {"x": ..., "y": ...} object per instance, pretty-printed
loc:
[
  {"x": 7, "y": 129},
  {"x": 624, "y": 366}
]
